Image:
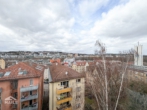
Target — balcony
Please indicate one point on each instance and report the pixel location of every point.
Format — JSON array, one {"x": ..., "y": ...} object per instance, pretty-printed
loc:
[
  {"x": 69, "y": 108},
  {"x": 31, "y": 107},
  {"x": 66, "y": 99},
  {"x": 65, "y": 107},
  {"x": 0, "y": 101},
  {"x": 60, "y": 91},
  {"x": 30, "y": 88},
  {"x": 29, "y": 97}
]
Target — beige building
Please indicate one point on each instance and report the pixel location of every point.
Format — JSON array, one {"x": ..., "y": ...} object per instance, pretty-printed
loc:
[
  {"x": 137, "y": 73},
  {"x": 66, "y": 88},
  {"x": 2, "y": 64},
  {"x": 81, "y": 66}
]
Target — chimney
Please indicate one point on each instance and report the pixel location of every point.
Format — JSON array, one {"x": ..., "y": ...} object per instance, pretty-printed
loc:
[
  {"x": 66, "y": 72},
  {"x": 19, "y": 69}
]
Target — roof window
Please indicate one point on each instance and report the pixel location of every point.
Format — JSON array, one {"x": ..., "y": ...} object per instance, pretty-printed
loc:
[
  {"x": 39, "y": 67},
  {"x": 1, "y": 75},
  {"x": 22, "y": 72},
  {"x": 7, "y": 73}
]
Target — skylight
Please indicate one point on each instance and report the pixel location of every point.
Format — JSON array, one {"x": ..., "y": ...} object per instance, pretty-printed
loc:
[
  {"x": 21, "y": 72},
  {"x": 39, "y": 67},
  {"x": 1, "y": 75},
  {"x": 7, "y": 73}
]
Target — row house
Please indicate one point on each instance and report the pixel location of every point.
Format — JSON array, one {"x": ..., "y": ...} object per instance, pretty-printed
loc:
[{"x": 21, "y": 87}]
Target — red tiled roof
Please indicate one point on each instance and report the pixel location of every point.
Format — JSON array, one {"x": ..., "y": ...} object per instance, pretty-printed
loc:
[
  {"x": 58, "y": 73},
  {"x": 30, "y": 68},
  {"x": 81, "y": 63},
  {"x": 92, "y": 63}
]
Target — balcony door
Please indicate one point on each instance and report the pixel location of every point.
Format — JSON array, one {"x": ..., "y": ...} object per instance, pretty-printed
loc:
[
  {"x": 30, "y": 92},
  {"x": 30, "y": 102}
]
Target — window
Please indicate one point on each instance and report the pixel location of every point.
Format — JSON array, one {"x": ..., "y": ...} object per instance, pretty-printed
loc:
[
  {"x": 15, "y": 84},
  {"x": 14, "y": 105},
  {"x": 15, "y": 95},
  {"x": 78, "y": 89},
  {"x": 78, "y": 97},
  {"x": 7, "y": 73},
  {"x": 65, "y": 84},
  {"x": 78, "y": 80},
  {"x": 31, "y": 81},
  {"x": 78, "y": 105}
]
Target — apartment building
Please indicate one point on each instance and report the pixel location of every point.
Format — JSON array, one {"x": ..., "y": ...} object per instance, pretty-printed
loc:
[
  {"x": 66, "y": 88},
  {"x": 2, "y": 64},
  {"x": 81, "y": 66},
  {"x": 21, "y": 87}
]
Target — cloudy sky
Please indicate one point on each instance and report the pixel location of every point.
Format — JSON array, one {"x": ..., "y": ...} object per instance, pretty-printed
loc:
[{"x": 72, "y": 25}]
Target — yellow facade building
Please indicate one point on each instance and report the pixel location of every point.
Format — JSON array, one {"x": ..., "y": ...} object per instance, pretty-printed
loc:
[
  {"x": 2, "y": 64},
  {"x": 66, "y": 88}
]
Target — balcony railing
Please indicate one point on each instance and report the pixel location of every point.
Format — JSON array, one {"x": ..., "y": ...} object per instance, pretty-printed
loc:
[
  {"x": 69, "y": 108},
  {"x": 30, "y": 88},
  {"x": 60, "y": 91},
  {"x": 31, "y": 107},
  {"x": 29, "y": 97},
  {"x": 66, "y": 99}
]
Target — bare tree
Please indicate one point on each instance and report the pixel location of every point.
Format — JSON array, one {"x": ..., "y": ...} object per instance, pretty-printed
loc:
[{"x": 107, "y": 81}]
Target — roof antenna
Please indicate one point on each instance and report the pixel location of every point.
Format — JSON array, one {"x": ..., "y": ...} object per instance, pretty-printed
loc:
[{"x": 138, "y": 43}]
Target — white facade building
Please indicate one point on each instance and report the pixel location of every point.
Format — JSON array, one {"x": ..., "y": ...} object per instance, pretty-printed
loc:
[{"x": 138, "y": 57}]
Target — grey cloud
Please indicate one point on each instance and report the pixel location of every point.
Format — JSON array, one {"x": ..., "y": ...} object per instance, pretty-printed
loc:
[{"x": 49, "y": 25}]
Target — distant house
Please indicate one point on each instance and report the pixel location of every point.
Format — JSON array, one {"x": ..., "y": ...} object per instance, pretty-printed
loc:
[
  {"x": 57, "y": 60},
  {"x": 80, "y": 66},
  {"x": 69, "y": 61},
  {"x": 2, "y": 64}
]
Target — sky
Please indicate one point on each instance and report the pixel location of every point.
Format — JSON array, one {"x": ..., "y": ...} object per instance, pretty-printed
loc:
[{"x": 72, "y": 25}]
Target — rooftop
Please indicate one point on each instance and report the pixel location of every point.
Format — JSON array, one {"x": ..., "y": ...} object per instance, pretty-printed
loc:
[
  {"x": 138, "y": 68},
  {"x": 21, "y": 70},
  {"x": 60, "y": 73}
]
